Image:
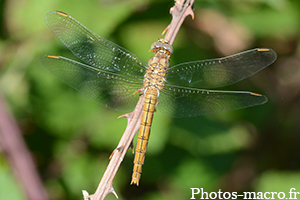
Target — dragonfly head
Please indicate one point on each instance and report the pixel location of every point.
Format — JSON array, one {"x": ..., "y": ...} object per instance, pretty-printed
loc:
[{"x": 162, "y": 45}]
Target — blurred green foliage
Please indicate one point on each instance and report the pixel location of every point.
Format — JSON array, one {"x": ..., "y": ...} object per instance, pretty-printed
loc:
[{"x": 71, "y": 137}]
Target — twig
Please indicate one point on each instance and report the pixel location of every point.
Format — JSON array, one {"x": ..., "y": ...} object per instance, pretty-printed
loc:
[
  {"x": 21, "y": 162},
  {"x": 179, "y": 11},
  {"x": 133, "y": 124}
]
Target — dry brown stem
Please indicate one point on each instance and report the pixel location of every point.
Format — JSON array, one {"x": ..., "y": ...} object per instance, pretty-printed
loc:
[
  {"x": 133, "y": 123},
  {"x": 179, "y": 11},
  {"x": 18, "y": 155}
]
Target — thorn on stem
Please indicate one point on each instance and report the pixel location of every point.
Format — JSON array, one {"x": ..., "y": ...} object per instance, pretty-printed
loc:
[
  {"x": 114, "y": 192},
  {"x": 127, "y": 115},
  {"x": 120, "y": 149},
  {"x": 179, "y": 5},
  {"x": 86, "y": 195},
  {"x": 190, "y": 12}
]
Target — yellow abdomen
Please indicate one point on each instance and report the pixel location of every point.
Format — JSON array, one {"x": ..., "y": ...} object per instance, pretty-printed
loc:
[
  {"x": 143, "y": 137},
  {"x": 153, "y": 82}
]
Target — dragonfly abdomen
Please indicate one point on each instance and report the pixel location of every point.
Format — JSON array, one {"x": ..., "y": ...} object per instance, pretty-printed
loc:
[
  {"x": 154, "y": 82},
  {"x": 144, "y": 133}
]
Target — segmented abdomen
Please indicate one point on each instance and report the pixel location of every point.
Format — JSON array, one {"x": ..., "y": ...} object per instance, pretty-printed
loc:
[{"x": 143, "y": 137}]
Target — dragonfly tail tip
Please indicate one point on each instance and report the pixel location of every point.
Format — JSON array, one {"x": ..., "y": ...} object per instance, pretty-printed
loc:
[{"x": 134, "y": 181}]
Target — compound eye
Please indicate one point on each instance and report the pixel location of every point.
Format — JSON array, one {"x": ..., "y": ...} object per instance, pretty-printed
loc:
[{"x": 161, "y": 44}]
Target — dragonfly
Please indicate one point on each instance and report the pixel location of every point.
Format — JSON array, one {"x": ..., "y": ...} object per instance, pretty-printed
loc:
[{"x": 110, "y": 75}]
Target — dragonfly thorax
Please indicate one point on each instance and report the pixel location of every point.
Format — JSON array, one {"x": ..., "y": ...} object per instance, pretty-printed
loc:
[{"x": 154, "y": 78}]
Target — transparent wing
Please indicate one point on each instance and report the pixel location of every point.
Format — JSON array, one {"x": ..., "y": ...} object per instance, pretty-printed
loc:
[
  {"x": 186, "y": 102},
  {"x": 93, "y": 49},
  {"x": 108, "y": 89},
  {"x": 222, "y": 71}
]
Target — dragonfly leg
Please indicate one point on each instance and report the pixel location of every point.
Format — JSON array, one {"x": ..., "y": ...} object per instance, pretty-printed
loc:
[
  {"x": 165, "y": 30},
  {"x": 156, "y": 105},
  {"x": 139, "y": 90},
  {"x": 132, "y": 147}
]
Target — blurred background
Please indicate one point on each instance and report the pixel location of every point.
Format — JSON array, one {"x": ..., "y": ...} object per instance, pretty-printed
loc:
[{"x": 70, "y": 137}]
